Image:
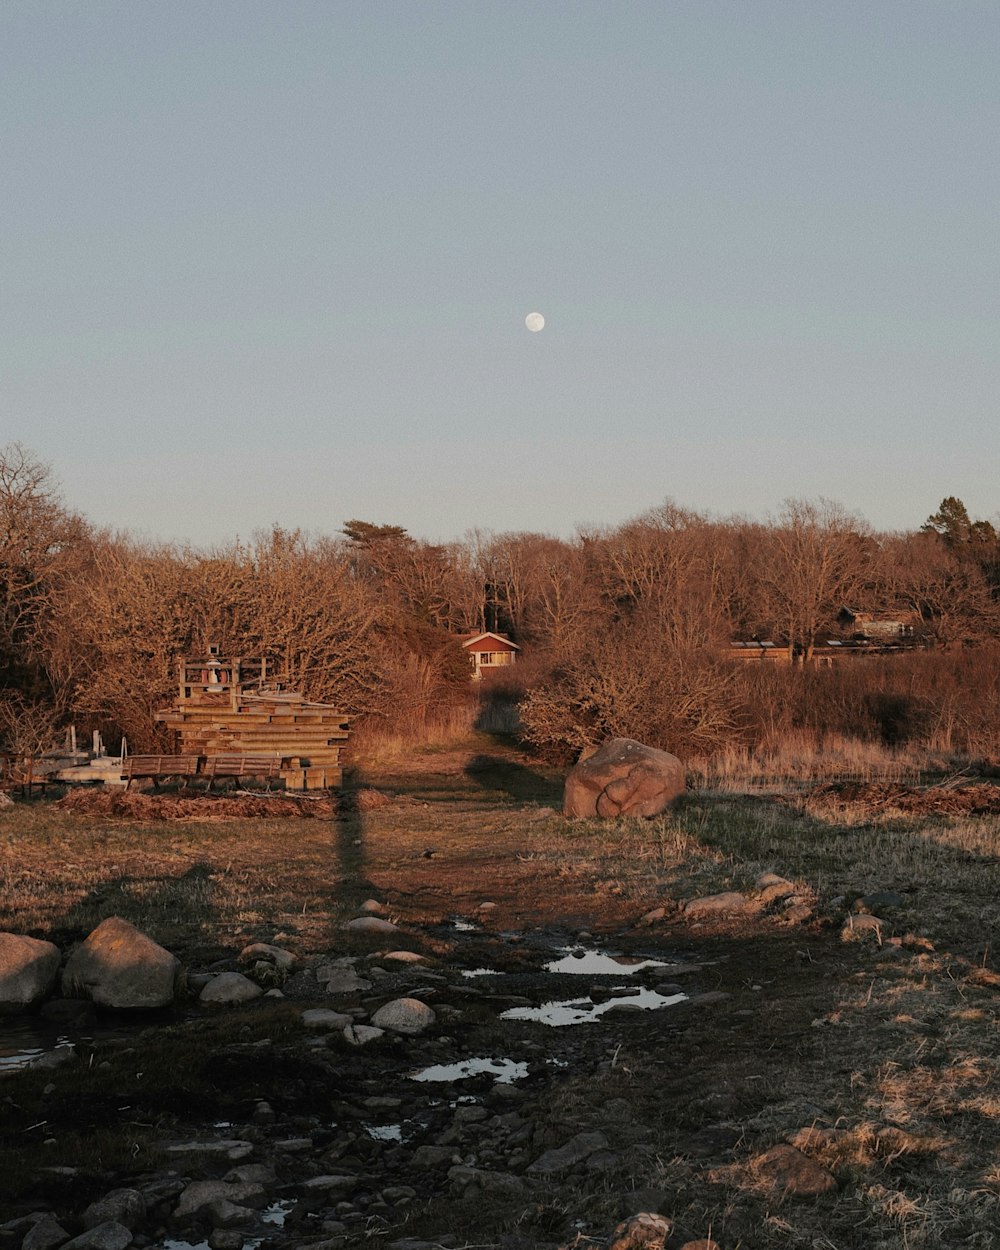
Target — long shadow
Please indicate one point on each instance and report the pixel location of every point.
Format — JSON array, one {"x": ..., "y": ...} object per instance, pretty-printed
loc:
[{"x": 498, "y": 774}]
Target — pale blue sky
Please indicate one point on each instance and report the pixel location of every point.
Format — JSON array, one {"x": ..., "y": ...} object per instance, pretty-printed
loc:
[{"x": 270, "y": 262}]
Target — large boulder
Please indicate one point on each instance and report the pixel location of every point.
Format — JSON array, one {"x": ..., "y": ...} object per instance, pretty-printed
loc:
[
  {"x": 623, "y": 778},
  {"x": 28, "y": 969},
  {"x": 117, "y": 966}
]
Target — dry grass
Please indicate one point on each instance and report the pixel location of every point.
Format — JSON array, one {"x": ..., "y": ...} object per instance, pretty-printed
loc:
[{"x": 808, "y": 757}]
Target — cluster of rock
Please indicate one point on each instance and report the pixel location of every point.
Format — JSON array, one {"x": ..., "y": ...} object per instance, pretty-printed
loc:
[{"x": 299, "y": 1180}]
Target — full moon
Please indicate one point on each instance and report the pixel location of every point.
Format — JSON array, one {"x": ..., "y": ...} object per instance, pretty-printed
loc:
[{"x": 535, "y": 322}]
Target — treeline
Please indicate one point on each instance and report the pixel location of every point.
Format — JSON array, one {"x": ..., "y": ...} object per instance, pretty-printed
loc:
[{"x": 622, "y": 630}]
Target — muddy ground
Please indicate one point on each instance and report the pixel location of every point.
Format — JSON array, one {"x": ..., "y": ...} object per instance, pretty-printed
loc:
[{"x": 885, "y": 1045}]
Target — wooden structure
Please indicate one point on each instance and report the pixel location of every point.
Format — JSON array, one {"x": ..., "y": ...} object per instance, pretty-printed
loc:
[
  {"x": 488, "y": 651},
  {"x": 155, "y": 767},
  {"x": 242, "y": 722}
]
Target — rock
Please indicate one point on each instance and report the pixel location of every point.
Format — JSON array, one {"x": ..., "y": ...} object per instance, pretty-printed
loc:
[
  {"x": 882, "y": 900},
  {"x": 46, "y": 1234},
  {"x": 370, "y": 924},
  {"x": 404, "y": 1015},
  {"x": 729, "y": 903},
  {"x": 325, "y": 1019},
  {"x": 200, "y": 1194},
  {"x": 403, "y": 957},
  {"x": 108, "y": 1236},
  {"x": 432, "y": 1158},
  {"x": 645, "y": 1231},
  {"x": 857, "y": 928},
  {"x": 252, "y": 1173},
  {"x": 117, "y": 966},
  {"x": 125, "y": 1206},
  {"x": 773, "y": 889},
  {"x": 372, "y": 907},
  {"x": 28, "y": 969},
  {"x": 225, "y": 1239},
  {"x": 230, "y": 987},
  {"x": 651, "y": 917},
  {"x": 623, "y": 778},
  {"x": 334, "y": 1183},
  {"x": 703, "y": 1243},
  {"x": 497, "y": 1184},
  {"x": 227, "y": 1150},
  {"x": 570, "y": 1153},
  {"x": 276, "y": 955},
  {"x": 362, "y": 1034},
  {"x": 790, "y": 1172},
  {"x": 54, "y": 1058},
  {"x": 76, "y": 1013},
  {"x": 5, "y": 800},
  {"x": 341, "y": 980},
  {"x": 221, "y": 1213}
]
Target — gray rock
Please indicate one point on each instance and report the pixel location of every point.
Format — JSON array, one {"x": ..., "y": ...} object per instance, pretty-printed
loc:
[
  {"x": 570, "y": 1153},
  {"x": 117, "y": 966},
  {"x": 623, "y": 778},
  {"x": 325, "y": 1019},
  {"x": 46, "y": 1234},
  {"x": 335, "y": 1183},
  {"x": 252, "y": 1173},
  {"x": 432, "y": 1158},
  {"x": 500, "y": 1184},
  {"x": 221, "y": 1213},
  {"x": 370, "y": 924},
  {"x": 28, "y": 969},
  {"x": 200, "y": 1194},
  {"x": 125, "y": 1206},
  {"x": 230, "y": 987},
  {"x": 362, "y": 1034},
  {"x": 341, "y": 980},
  {"x": 225, "y": 1239},
  {"x": 404, "y": 1015},
  {"x": 227, "y": 1150},
  {"x": 108, "y": 1236}
]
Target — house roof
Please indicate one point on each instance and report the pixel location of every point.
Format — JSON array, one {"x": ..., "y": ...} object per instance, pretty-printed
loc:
[{"x": 489, "y": 642}]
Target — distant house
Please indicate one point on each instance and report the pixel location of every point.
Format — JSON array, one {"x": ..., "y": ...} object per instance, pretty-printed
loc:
[
  {"x": 768, "y": 652},
  {"x": 891, "y": 628},
  {"x": 488, "y": 652}
]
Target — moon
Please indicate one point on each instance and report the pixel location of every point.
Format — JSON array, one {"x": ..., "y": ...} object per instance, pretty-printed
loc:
[{"x": 535, "y": 322}]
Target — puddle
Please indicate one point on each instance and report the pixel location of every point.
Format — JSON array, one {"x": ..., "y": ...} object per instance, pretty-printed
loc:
[
  {"x": 505, "y": 1070},
  {"x": 593, "y": 963},
  {"x": 24, "y": 1041},
  {"x": 385, "y": 1132},
  {"x": 277, "y": 1211},
  {"x": 583, "y": 1010}
]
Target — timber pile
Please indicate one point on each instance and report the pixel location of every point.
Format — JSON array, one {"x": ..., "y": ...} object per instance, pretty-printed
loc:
[{"x": 213, "y": 718}]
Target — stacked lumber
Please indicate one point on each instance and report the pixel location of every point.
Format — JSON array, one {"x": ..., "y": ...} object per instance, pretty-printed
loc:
[{"x": 308, "y": 737}]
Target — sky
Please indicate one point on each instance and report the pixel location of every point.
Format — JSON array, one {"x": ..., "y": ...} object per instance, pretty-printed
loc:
[{"x": 269, "y": 263}]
